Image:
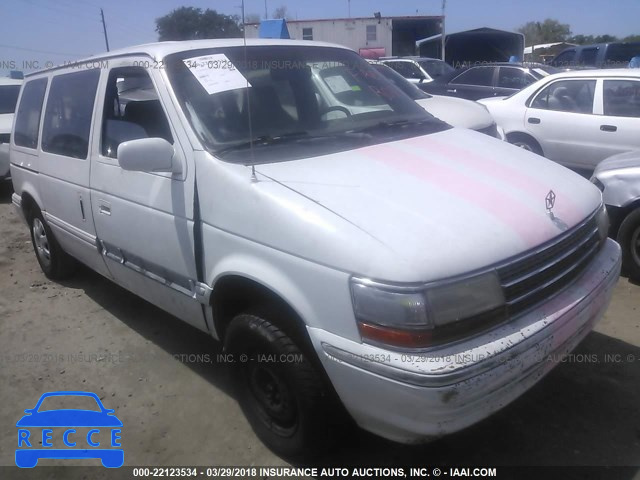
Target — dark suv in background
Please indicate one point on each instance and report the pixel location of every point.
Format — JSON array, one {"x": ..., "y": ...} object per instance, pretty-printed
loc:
[{"x": 598, "y": 55}]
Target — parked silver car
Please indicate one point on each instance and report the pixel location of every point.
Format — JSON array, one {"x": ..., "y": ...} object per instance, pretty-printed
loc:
[{"x": 619, "y": 179}]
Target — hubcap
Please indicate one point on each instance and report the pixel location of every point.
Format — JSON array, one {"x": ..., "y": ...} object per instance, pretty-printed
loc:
[
  {"x": 635, "y": 246},
  {"x": 41, "y": 241},
  {"x": 273, "y": 398},
  {"x": 524, "y": 145}
]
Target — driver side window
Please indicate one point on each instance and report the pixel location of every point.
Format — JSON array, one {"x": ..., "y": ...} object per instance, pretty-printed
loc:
[{"x": 132, "y": 110}]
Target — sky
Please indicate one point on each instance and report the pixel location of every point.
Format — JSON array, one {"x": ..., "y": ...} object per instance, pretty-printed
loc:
[{"x": 39, "y": 33}]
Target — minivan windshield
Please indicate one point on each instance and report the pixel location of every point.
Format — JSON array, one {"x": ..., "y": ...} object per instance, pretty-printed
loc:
[{"x": 259, "y": 104}]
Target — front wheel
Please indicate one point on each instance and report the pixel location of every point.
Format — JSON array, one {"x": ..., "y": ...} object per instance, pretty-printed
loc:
[
  {"x": 629, "y": 240},
  {"x": 279, "y": 390}
]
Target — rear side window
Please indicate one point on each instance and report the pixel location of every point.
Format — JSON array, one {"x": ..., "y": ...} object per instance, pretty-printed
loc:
[
  {"x": 482, "y": 76},
  {"x": 67, "y": 119},
  {"x": 509, "y": 77},
  {"x": 622, "y": 98},
  {"x": 565, "y": 59},
  {"x": 588, "y": 57},
  {"x": 620, "y": 54},
  {"x": 8, "y": 98},
  {"x": 567, "y": 96},
  {"x": 29, "y": 111}
]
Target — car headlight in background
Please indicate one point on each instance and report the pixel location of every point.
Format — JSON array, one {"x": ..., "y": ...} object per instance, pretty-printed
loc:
[
  {"x": 430, "y": 315},
  {"x": 491, "y": 130},
  {"x": 596, "y": 181}
]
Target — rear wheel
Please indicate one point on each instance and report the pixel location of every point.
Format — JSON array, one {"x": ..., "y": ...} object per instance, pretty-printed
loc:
[
  {"x": 629, "y": 240},
  {"x": 280, "y": 392},
  {"x": 54, "y": 262}
]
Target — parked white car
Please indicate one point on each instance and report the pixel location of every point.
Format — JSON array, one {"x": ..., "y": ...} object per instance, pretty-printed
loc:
[
  {"x": 619, "y": 179},
  {"x": 575, "y": 118},
  {"x": 9, "y": 89},
  {"x": 424, "y": 276},
  {"x": 456, "y": 112}
]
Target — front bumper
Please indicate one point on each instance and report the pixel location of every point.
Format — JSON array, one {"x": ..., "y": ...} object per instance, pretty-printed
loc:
[{"x": 414, "y": 396}]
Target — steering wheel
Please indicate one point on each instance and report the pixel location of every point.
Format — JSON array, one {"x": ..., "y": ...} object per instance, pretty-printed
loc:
[{"x": 336, "y": 108}]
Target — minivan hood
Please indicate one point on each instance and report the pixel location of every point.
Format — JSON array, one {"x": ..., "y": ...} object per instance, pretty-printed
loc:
[
  {"x": 457, "y": 111},
  {"x": 443, "y": 204}
]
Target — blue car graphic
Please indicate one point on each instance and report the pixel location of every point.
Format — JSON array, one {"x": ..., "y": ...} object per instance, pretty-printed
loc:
[{"x": 29, "y": 426}]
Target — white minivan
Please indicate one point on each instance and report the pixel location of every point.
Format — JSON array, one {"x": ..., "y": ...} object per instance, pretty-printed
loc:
[
  {"x": 419, "y": 275},
  {"x": 9, "y": 89}
]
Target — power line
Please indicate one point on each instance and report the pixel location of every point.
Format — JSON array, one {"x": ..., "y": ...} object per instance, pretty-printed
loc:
[{"x": 44, "y": 51}]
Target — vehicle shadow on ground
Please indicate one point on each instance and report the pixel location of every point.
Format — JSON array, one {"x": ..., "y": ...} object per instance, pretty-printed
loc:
[
  {"x": 6, "y": 190},
  {"x": 168, "y": 332},
  {"x": 585, "y": 412}
]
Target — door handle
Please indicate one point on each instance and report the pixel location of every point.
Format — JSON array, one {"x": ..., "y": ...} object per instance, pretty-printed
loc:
[
  {"x": 104, "y": 208},
  {"x": 533, "y": 120},
  {"x": 608, "y": 128},
  {"x": 451, "y": 90}
]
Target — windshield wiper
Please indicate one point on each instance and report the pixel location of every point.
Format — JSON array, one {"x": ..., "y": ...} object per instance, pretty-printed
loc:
[
  {"x": 398, "y": 124},
  {"x": 264, "y": 140}
]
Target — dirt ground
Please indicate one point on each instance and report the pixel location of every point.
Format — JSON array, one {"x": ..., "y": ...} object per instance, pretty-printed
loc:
[{"x": 88, "y": 334}]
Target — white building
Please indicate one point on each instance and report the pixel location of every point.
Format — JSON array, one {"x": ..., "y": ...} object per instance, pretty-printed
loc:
[{"x": 372, "y": 37}]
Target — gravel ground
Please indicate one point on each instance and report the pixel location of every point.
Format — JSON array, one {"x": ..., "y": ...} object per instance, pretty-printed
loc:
[{"x": 89, "y": 334}]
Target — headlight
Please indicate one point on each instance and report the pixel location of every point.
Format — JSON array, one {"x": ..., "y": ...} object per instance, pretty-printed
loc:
[
  {"x": 602, "y": 218},
  {"x": 417, "y": 317}
]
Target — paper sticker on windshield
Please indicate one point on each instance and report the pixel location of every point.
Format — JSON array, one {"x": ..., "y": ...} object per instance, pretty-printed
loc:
[
  {"x": 216, "y": 73},
  {"x": 337, "y": 84}
]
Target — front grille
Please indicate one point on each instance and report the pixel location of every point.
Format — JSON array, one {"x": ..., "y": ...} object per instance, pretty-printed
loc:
[{"x": 548, "y": 269}]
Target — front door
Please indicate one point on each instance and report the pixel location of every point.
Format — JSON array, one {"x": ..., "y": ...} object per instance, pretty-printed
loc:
[
  {"x": 561, "y": 118},
  {"x": 144, "y": 221}
]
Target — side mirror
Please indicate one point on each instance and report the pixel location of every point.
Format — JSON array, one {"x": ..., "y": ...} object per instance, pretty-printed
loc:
[{"x": 147, "y": 155}]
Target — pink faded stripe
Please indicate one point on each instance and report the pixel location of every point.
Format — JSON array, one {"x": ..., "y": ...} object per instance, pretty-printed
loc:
[
  {"x": 508, "y": 210},
  {"x": 471, "y": 159}
]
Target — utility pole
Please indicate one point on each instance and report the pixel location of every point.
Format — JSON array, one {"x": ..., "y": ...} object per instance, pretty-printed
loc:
[
  {"x": 104, "y": 27},
  {"x": 266, "y": 10},
  {"x": 349, "y": 7},
  {"x": 444, "y": 5}
]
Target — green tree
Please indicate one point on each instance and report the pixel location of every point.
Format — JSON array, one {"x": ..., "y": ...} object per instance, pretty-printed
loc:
[
  {"x": 548, "y": 31},
  {"x": 252, "y": 18},
  {"x": 631, "y": 38},
  {"x": 281, "y": 12},
  {"x": 190, "y": 23}
]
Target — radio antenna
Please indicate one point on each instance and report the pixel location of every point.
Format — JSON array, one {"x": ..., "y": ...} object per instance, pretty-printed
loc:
[{"x": 248, "y": 98}]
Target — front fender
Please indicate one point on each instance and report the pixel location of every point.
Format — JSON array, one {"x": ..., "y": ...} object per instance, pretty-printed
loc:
[{"x": 318, "y": 294}]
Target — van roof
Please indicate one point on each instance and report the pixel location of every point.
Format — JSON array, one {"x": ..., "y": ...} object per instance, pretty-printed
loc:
[{"x": 159, "y": 50}]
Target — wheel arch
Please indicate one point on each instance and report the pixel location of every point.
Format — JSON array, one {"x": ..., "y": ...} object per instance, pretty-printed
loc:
[{"x": 515, "y": 135}]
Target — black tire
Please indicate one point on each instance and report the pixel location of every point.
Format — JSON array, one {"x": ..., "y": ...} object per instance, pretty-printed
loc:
[
  {"x": 629, "y": 240},
  {"x": 525, "y": 142},
  {"x": 286, "y": 402},
  {"x": 55, "y": 263}
]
